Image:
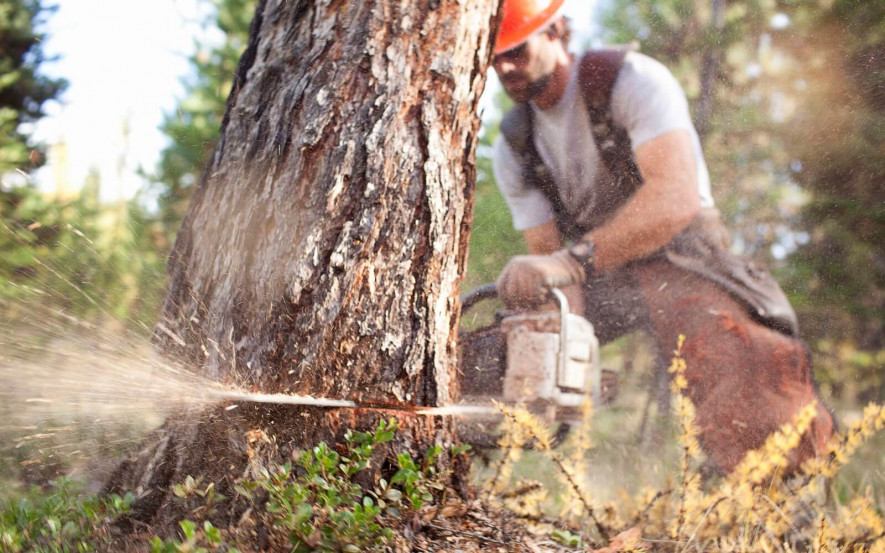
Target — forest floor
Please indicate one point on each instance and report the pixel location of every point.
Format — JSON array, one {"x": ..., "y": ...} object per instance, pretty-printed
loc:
[{"x": 634, "y": 458}]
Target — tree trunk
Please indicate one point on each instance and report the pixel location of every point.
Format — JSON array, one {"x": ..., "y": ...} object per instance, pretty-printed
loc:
[{"x": 323, "y": 248}]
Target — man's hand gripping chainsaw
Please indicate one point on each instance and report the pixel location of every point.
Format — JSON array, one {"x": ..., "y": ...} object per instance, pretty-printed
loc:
[{"x": 527, "y": 280}]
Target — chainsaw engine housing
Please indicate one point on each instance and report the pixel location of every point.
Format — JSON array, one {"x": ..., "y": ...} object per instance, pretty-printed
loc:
[{"x": 542, "y": 360}]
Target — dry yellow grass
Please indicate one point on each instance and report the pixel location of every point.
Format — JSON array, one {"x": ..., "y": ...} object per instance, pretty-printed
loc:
[{"x": 755, "y": 508}]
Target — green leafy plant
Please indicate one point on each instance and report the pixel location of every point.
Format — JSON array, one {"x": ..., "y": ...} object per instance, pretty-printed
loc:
[
  {"x": 318, "y": 502},
  {"x": 193, "y": 535},
  {"x": 207, "y": 497},
  {"x": 566, "y": 538},
  {"x": 322, "y": 507},
  {"x": 60, "y": 520}
]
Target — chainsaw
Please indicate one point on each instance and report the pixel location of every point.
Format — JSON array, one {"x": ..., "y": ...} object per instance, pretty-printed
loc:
[{"x": 547, "y": 362}]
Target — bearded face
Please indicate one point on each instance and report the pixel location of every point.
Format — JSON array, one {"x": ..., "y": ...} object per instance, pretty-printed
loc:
[{"x": 525, "y": 71}]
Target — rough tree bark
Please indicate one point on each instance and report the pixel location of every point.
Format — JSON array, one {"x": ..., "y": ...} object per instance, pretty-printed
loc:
[{"x": 323, "y": 248}]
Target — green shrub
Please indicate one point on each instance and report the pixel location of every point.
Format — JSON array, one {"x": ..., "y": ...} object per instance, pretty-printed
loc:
[
  {"x": 317, "y": 503},
  {"x": 60, "y": 520}
]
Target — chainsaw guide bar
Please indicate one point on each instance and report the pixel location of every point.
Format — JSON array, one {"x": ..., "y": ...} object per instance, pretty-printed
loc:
[
  {"x": 547, "y": 362},
  {"x": 286, "y": 399}
]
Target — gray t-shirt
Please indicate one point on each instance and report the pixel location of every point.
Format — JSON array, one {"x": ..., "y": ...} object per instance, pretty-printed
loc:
[{"x": 647, "y": 101}]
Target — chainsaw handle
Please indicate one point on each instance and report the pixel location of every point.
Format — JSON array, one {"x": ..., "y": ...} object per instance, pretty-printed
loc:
[
  {"x": 484, "y": 292},
  {"x": 490, "y": 292}
]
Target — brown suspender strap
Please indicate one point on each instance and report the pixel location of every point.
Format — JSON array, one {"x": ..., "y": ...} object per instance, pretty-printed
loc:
[{"x": 597, "y": 74}]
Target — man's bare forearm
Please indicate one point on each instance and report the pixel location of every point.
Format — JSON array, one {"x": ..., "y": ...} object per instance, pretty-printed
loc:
[
  {"x": 662, "y": 207},
  {"x": 649, "y": 221}
]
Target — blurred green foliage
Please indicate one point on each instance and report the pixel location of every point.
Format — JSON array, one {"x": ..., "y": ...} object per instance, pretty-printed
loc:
[
  {"x": 23, "y": 90},
  {"x": 794, "y": 142},
  {"x": 749, "y": 169},
  {"x": 838, "y": 138},
  {"x": 72, "y": 253},
  {"x": 88, "y": 259},
  {"x": 193, "y": 127},
  {"x": 493, "y": 241},
  {"x": 59, "y": 518}
]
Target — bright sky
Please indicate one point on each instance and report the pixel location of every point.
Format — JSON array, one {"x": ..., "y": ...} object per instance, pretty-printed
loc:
[{"x": 125, "y": 60}]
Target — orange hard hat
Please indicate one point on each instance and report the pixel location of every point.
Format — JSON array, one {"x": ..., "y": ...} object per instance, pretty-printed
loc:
[{"x": 522, "y": 18}]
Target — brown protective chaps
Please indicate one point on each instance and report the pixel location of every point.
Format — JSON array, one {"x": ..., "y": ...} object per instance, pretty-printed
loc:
[{"x": 746, "y": 379}]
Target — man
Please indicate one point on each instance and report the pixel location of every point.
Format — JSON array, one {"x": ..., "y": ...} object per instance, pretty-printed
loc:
[{"x": 600, "y": 153}]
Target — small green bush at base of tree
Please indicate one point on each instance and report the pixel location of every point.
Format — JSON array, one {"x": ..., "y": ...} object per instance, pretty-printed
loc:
[{"x": 59, "y": 519}]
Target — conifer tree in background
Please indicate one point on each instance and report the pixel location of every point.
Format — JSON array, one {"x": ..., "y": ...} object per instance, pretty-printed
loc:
[
  {"x": 193, "y": 127},
  {"x": 722, "y": 55},
  {"x": 69, "y": 253},
  {"x": 838, "y": 138},
  {"x": 23, "y": 93},
  {"x": 23, "y": 90}
]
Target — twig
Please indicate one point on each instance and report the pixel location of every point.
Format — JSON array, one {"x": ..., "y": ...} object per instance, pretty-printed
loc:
[
  {"x": 703, "y": 518},
  {"x": 671, "y": 542},
  {"x": 587, "y": 507},
  {"x": 872, "y": 540},
  {"x": 601, "y": 528},
  {"x": 547, "y": 520},
  {"x": 651, "y": 504},
  {"x": 779, "y": 511},
  {"x": 465, "y": 533},
  {"x": 505, "y": 455},
  {"x": 522, "y": 490}
]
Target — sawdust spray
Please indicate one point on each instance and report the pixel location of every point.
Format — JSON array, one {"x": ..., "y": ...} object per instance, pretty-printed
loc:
[{"x": 76, "y": 394}]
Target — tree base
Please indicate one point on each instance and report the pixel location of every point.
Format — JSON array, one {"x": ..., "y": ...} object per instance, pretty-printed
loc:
[{"x": 225, "y": 443}]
